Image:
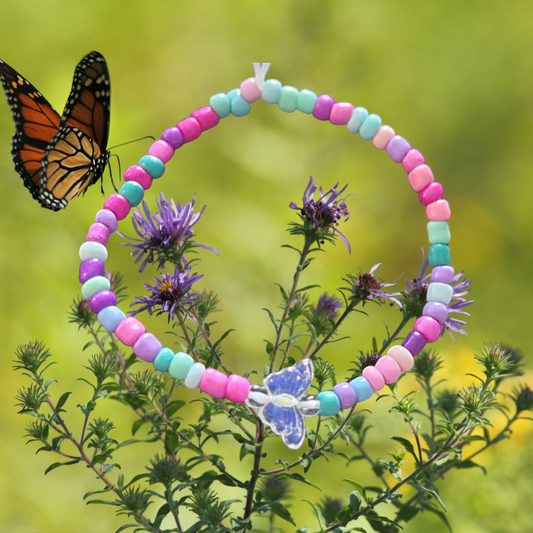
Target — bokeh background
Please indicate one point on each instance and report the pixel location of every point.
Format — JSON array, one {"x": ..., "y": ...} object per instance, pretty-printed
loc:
[{"x": 455, "y": 78}]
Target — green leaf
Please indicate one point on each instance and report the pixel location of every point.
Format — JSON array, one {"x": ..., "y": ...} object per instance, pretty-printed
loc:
[
  {"x": 471, "y": 438},
  {"x": 172, "y": 441},
  {"x": 468, "y": 463},
  {"x": 174, "y": 406},
  {"x": 57, "y": 465},
  {"x": 408, "y": 446},
  {"x": 318, "y": 514},
  {"x": 61, "y": 402},
  {"x": 280, "y": 510},
  {"x": 360, "y": 488},
  {"x": 272, "y": 319},
  {"x": 433, "y": 493}
]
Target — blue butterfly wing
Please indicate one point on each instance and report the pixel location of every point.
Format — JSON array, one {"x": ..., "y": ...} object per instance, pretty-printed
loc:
[
  {"x": 294, "y": 380},
  {"x": 284, "y": 421}
]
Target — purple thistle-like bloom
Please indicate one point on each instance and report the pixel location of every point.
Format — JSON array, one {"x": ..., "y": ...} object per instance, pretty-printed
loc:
[
  {"x": 172, "y": 292},
  {"x": 364, "y": 287},
  {"x": 327, "y": 306},
  {"x": 461, "y": 287}
]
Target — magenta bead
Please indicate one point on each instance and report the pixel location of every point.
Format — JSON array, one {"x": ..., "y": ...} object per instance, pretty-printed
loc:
[
  {"x": 323, "y": 106},
  {"x": 207, "y": 117},
  {"x": 129, "y": 331},
  {"x": 190, "y": 128},
  {"x": 104, "y": 216},
  {"x": 174, "y": 137},
  {"x": 374, "y": 377},
  {"x": 146, "y": 347},
  {"x": 138, "y": 174},
  {"x": 346, "y": 394},
  {"x": 436, "y": 310},
  {"x": 162, "y": 150},
  {"x": 98, "y": 233},
  {"x": 443, "y": 274},
  {"x": 389, "y": 369},
  {"x": 102, "y": 299},
  {"x": 213, "y": 382},
  {"x": 341, "y": 113},
  {"x": 420, "y": 177},
  {"x": 412, "y": 159},
  {"x": 237, "y": 388},
  {"x": 117, "y": 204},
  {"x": 397, "y": 148},
  {"x": 439, "y": 210},
  {"x": 250, "y": 90},
  {"x": 91, "y": 268},
  {"x": 428, "y": 327},
  {"x": 431, "y": 193}
]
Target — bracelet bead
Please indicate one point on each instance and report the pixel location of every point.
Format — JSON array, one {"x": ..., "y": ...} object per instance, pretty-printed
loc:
[
  {"x": 239, "y": 106},
  {"x": 89, "y": 268},
  {"x": 370, "y": 127},
  {"x": 174, "y": 137},
  {"x": 206, "y": 117},
  {"x": 180, "y": 365},
  {"x": 93, "y": 250},
  {"x": 374, "y": 377},
  {"x": 153, "y": 165},
  {"x": 110, "y": 317},
  {"x": 389, "y": 369},
  {"x": 221, "y": 104},
  {"x": 383, "y": 136},
  {"x": 359, "y": 115},
  {"x": 402, "y": 356},
  {"x": 194, "y": 376},
  {"x": 363, "y": 389},
  {"x": 428, "y": 327},
  {"x": 330, "y": 404},
  {"x": 323, "y": 106},
  {"x": 137, "y": 174},
  {"x": 443, "y": 274},
  {"x": 133, "y": 192},
  {"x": 129, "y": 331},
  {"x": 288, "y": 99},
  {"x": 414, "y": 342},
  {"x": 98, "y": 233},
  {"x": 346, "y": 394},
  {"x": 237, "y": 388},
  {"x": 108, "y": 218},
  {"x": 94, "y": 285},
  {"x": 118, "y": 205},
  {"x": 439, "y": 254},
  {"x": 271, "y": 91},
  {"x": 162, "y": 150},
  {"x": 250, "y": 91},
  {"x": 163, "y": 359},
  {"x": 190, "y": 129},
  {"x": 439, "y": 210},
  {"x": 398, "y": 148},
  {"x": 412, "y": 159},
  {"x": 420, "y": 177},
  {"x": 213, "y": 382},
  {"x": 147, "y": 347},
  {"x": 341, "y": 113},
  {"x": 437, "y": 310},
  {"x": 433, "y": 192},
  {"x": 306, "y": 101},
  {"x": 102, "y": 299},
  {"x": 439, "y": 232},
  {"x": 440, "y": 292}
]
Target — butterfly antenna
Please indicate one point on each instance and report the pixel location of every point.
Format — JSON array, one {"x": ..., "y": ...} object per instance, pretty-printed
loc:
[
  {"x": 111, "y": 172},
  {"x": 129, "y": 142}
]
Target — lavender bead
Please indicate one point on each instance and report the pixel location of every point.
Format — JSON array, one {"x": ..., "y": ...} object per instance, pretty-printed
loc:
[
  {"x": 174, "y": 137},
  {"x": 397, "y": 148},
  {"x": 443, "y": 274},
  {"x": 436, "y": 310},
  {"x": 346, "y": 395},
  {"x": 108, "y": 218}
]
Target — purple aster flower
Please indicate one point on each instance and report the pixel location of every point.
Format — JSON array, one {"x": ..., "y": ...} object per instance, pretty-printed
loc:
[
  {"x": 321, "y": 216},
  {"x": 461, "y": 287},
  {"x": 171, "y": 293},
  {"x": 327, "y": 306},
  {"x": 164, "y": 235},
  {"x": 364, "y": 287}
]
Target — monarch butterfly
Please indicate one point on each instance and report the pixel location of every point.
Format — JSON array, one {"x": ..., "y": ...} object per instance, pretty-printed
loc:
[{"x": 59, "y": 157}]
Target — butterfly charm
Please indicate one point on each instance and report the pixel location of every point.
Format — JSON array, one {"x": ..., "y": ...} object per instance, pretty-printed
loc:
[
  {"x": 282, "y": 403},
  {"x": 59, "y": 157}
]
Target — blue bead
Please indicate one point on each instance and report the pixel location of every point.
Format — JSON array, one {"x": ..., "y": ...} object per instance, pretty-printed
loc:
[
  {"x": 439, "y": 254},
  {"x": 363, "y": 389},
  {"x": 330, "y": 404},
  {"x": 359, "y": 115},
  {"x": 133, "y": 192},
  {"x": 370, "y": 126},
  {"x": 163, "y": 359},
  {"x": 306, "y": 101},
  {"x": 221, "y": 104},
  {"x": 239, "y": 106},
  {"x": 271, "y": 91},
  {"x": 154, "y": 166},
  {"x": 110, "y": 317}
]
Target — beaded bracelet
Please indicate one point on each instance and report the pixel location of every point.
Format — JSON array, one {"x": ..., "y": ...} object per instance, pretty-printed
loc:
[{"x": 281, "y": 401}]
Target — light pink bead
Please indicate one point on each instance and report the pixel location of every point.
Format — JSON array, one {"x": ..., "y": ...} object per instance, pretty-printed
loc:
[
  {"x": 249, "y": 90},
  {"x": 213, "y": 382},
  {"x": 206, "y": 116},
  {"x": 341, "y": 113},
  {"x": 98, "y": 233},
  {"x": 162, "y": 150},
  {"x": 237, "y": 388},
  {"x": 439, "y": 210},
  {"x": 118, "y": 205},
  {"x": 412, "y": 159},
  {"x": 428, "y": 327},
  {"x": 389, "y": 369},
  {"x": 138, "y": 174},
  {"x": 402, "y": 356},
  {"x": 431, "y": 193},
  {"x": 420, "y": 177},
  {"x": 190, "y": 129},
  {"x": 374, "y": 377},
  {"x": 129, "y": 331},
  {"x": 382, "y": 137}
]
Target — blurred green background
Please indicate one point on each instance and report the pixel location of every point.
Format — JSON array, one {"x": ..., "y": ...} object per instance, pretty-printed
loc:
[{"x": 454, "y": 78}]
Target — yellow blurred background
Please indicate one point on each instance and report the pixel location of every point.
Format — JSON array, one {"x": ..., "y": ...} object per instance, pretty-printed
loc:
[{"x": 454, "y": 78}]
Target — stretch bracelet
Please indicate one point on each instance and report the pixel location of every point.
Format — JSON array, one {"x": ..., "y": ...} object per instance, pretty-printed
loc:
[{"x": 282, "y": 400}]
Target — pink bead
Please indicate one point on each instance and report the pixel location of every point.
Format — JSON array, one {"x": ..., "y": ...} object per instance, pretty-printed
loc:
[
  {"x": 374, "y": 377},
  {"x": 98, "y": 233},
  {"x": 431, "y": 193},
  {"x": 249, "y": 90},
  {"x": 213, "y": 382},
  {"x": 237, "y": 388},
  {"x": 118, "y": 205},
  {"x": 389, "y": 368},
  {"x": 207, "y": 117},
  {"x": 420, "y": 177},
  {"x": 439, "y": 210},
  {"x": 382, "y": 137},
  {"x": 190, "y": 129},
  {"x": 412, "y": 159},
  {"x": 138, "y": 174},
  {"x": 129, "y": 331},
  {"x": 341, "y": 113},
  {"x": 428, "y": 327},
  {"x": 402, "y": 356},
  {"x": 162, "y": 150}
]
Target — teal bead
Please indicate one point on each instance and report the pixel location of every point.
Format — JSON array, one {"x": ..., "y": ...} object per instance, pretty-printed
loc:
[
  {"x": 133, "y": 192},
  {"x": 239, "y": 106},
  {"x": 94, "y": 285},
  {"x": 363, "y": 389},
  {"x": 288, "y": 99},
  {"x": 370, "y": 126},
  {"x": 439, "y": 254},
  {"x": 271, "y": 91},
  {"x": 439, "y": 292},
  {"x": 180, "y": 365},
  {"x": 359, "y": 115},
  {"x": 154, "y": 166},
  {"x": 329, "y": 403},
  {"x": 221, "y": 104},
  {"x": 439, "y": 232},
  {"x": 194, "y": 376},
  {"x": 163, "y": 359},
  {"x": 306, "y": 101}
]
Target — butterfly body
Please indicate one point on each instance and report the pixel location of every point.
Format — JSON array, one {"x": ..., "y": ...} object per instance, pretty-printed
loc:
[{"x": 59, "y": 157}]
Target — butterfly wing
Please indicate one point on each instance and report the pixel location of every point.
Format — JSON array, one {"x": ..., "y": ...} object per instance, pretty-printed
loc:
[
  {"x": 284, "y": 421},
  {"x": 294, "y": 380}
]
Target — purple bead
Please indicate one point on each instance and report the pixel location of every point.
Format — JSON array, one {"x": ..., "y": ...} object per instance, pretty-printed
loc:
[
  {"x": 146, "y": 347},
  {"x": 108, "y": 218},
  {"x": 397, "y": 148},
  {"x": 173, "y": 136},
  {"x": 436, "y": 310},
  {"x": 91, "y": 268},
  {"x": 323, "y": 106},
  {"x": 102, "y": 299},
  {"x": 414, "y": 342},
  {"x": 443, "y": 274},
  {"x": 346, "y": 395}
]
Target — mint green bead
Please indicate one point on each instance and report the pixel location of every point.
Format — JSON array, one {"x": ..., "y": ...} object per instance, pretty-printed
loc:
[
  {"x": 94, "y": 285},
  {"x": 133, "y": 192},
  {"x": 359, "y": 115},
  {"x": 180, "y": 365},
  {"x": 288, "y": 99},
  {"x": 154, "y": 166},
  {"x": 439, "y": 292},
  {"x": 306, "y": 101},
  {"x": 163, "y": 359},
  {"x": 271, "y": 91},
  {"x": 194, "y": 376},
  {"x": 93, "y": 250},
  {"x": 370, "y": 126},
  {"x": 239, "y": 106},
  {"x": 329, "y": 403},
  {"x": 221, "y": 104},
  {"x": 439, "y": 232},
  {"x": 439, "y": 255}
]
